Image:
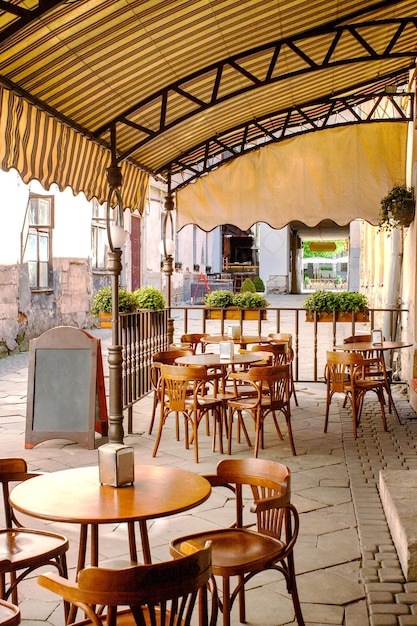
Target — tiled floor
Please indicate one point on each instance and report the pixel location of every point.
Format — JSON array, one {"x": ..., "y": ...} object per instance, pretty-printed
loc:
[{"x": 348, "y": 573}]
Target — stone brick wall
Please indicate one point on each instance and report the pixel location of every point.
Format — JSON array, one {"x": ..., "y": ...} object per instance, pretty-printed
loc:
[{"x": 25, "y": 314}]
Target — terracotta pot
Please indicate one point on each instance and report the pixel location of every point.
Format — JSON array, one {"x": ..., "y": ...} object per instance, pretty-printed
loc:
[
  {"x": 104, "y": 319},
  {"x": 232, "y": 313}
]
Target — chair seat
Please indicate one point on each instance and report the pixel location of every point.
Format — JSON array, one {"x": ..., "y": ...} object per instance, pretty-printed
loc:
[
  {"x": 234, "y": 551},
  {"x": 20, "y": 548}
]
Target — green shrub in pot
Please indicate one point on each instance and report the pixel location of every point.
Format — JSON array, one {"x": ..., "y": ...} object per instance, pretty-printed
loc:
[
  {"x": 149, "y": 298},
  {"x": 102, "y": 301},
  {"x": 249, "y": 300}
]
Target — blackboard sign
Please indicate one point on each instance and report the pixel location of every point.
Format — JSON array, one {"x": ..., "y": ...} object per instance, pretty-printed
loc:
[{"x": 66, "y": 395}]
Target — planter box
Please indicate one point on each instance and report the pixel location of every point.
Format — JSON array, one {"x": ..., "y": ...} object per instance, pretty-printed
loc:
[
  {"x": 104, "y": 320},
  {"x": 361, "y": 316},
  {"x": 232, "y": 313}
]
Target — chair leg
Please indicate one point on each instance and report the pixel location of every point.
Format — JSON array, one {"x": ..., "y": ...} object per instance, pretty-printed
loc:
[
  {"x": 292, "y": 588},
  {"x": 328, "y": 402},
  {"x": 154, "y": 406}
]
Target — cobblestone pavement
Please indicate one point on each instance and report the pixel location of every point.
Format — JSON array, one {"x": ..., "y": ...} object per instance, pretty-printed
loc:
[{"x": 347, "y": 569}]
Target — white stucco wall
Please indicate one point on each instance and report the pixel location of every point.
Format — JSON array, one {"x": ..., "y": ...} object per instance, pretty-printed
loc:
[{"x": 274, "y": 257}]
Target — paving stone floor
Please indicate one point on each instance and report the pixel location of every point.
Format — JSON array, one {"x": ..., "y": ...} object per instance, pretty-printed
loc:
[{"x": 347, "y": 568}]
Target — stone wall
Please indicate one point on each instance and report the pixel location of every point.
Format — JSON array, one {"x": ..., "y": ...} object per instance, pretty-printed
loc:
[
  {"x": 25, "y": 314},
  {"x": 277, "y": 284}
]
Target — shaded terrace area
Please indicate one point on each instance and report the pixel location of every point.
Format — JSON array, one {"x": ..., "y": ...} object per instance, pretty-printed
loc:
[{"x": 348, "y": 571}]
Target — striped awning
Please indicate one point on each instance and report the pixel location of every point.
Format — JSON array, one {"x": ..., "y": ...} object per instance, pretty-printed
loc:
[
  {"x": 177, "y": 88},
  {"x": 41, "y": 147}
]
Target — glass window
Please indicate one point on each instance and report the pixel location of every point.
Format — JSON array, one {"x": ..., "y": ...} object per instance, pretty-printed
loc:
[
  {"x": 37, "y": 240},
  {"x": 98, "y": 235}
]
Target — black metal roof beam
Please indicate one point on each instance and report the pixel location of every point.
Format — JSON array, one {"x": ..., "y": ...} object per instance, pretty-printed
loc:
[
  {"x": 339, "y": 106},
  {"x": 366, "y": 54},
  {"x": 24, "y": 16}
]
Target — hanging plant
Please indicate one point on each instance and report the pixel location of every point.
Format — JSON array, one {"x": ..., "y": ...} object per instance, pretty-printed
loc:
[{"x": 397, "y": 208}]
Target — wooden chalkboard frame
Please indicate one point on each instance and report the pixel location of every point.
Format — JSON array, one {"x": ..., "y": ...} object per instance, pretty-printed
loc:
[{"x": 66, "y": 395}]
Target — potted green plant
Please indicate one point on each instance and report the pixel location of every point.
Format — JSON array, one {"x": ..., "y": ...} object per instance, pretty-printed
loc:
[
  {"x": 178, "y": 265},
  {"x": 259, "y": 284},
  {"x": 196, "y": 267},
  {"x": 247, "y": 286},
  {"x": 330, "y": 305},
  {"x": 251, "y": 304},
  {"x": 102, "y": 304},
  {"x": 397, "y": 208},
  {"x": 149, "y": 298}
]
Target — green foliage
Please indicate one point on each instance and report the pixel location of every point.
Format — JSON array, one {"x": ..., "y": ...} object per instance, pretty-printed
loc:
[
  {"x": 103, "y": 298},
  {"x": 249, "y": 300},
  {"x": 247, "y": 286},
  {"x": 393, "y": 205},
  {"x": 259, "y": 284},
  {"x": 338, "y": 280},
  {"x": 329, "y": 301},
  {"x": 219, "y": 299},
  {"x": 149, "y": 298},
  {"x": 307, "y": 253}
]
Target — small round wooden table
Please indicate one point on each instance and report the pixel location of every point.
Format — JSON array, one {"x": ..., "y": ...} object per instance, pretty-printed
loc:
[
  {"x": 213, "y": 360},
  {"x": 9, "y": 614},
  {"x": 76, "y": 496}
]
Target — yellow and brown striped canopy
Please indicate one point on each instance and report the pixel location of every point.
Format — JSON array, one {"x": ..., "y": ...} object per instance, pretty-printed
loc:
[{"x": 182, "y": 86}]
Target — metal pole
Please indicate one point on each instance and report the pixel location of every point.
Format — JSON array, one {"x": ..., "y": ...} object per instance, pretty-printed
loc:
[{"x": 115, "y": 359}]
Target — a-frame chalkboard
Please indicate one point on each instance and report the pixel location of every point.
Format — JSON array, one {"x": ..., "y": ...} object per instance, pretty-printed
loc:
[{"x": 66, "y": 395}]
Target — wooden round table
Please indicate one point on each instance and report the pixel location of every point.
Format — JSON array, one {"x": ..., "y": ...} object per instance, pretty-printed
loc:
[
  {"x": 213, "y": 360},
  {"x": 368, "y": 346},
  {"x": 76, "y": 496}
]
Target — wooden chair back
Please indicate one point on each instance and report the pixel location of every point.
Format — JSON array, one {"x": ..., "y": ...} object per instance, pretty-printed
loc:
[
  {"x": 339, "y": 368},
  {"x": 178, "y": 382},
  {"x": 164, "y": 593},
  {"x": 166, "y": 357},
  {"x": 194, "y": 340},
  {"x": 12, "y": 470},
  {"x": 279, "y": 352},
  {"x": 287, "y": 337},
  {"x": 357, "y": 339}
]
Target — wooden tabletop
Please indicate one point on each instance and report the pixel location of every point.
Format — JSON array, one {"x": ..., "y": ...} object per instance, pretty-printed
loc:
[
  {"x": 75, "y": 495},
  {"x": 365, "y": 346},
  {"x": 214, "y": 360}
]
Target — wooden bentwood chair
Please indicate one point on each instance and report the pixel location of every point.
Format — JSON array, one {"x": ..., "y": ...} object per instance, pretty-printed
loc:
[
  {"x": 194, "y": 340},
  {"x": 192, "y": 391},
  {"x": 260, "y": 391},
  {"x": 161, "y": 594},
  {"x": 22, "y": 549},
  {"x": 166, "y": 357},
  {"x": 353, "y": 376},
  {"x": 244, "y": 552}
]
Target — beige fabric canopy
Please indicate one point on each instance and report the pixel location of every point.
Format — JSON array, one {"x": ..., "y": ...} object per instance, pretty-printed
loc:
[
  {"x": 338, "y": 173},
  {"x": 176, "y": 88},
  {"x": 39, "y": 146}
]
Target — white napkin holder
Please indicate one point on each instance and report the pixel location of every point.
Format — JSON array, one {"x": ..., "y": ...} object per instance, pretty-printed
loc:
[
  {"x": 376, "y": 337},
  {"x": 227, "y": 350},
  {"x": 233, "y": 332},
  {"x": 116, "y": 464}
]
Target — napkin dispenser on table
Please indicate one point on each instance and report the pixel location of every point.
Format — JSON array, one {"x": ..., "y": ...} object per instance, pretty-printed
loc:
[
  {"x": 116, "y": 463},
  {"x": 227, "y": 349}
]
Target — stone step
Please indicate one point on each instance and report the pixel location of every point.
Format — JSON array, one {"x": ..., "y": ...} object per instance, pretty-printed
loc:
[{"x": 398, "y": 490}]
